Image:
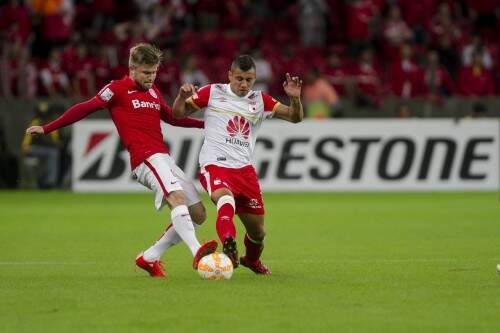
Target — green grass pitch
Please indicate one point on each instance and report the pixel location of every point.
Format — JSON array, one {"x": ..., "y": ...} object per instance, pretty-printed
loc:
[{"x": 368, "y": 262}]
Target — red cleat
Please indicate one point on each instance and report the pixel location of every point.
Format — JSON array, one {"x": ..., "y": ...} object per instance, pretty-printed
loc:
[
  {"x": 154, "y": 268},
  {"x": 257, "y": 267},
  {"x": 204, "y": 250}
]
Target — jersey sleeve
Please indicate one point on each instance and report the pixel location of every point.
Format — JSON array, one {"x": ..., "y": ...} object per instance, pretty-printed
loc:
[
  {"x": 200, "y": 99},
  {"x": 107, "y": 95},
  {"x": 74, "y": 114},
  {"x": 270, "y": 105}
]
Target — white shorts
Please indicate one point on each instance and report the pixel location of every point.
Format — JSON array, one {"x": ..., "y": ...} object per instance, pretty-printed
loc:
[{"x": 160, "y": 174}]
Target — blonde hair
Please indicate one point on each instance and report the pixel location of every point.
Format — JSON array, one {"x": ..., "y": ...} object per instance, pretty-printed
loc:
[{"x": 144, "y": 54}]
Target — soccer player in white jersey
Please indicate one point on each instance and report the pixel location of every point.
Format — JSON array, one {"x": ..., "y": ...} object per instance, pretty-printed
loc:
[{"x": 233, "y": 114}]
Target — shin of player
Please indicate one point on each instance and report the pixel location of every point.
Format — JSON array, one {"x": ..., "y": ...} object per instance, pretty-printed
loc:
[
  {"x": 225, "y": 215},
  {"x": 170, "y": 237}
]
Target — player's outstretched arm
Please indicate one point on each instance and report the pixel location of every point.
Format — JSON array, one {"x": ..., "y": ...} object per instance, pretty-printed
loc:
[
  {"x": 179, "y": 108},
  {"x": 167, "y": 116},
  {"x": 294, "y": 112},
  {"x": 72, "y": 115}
]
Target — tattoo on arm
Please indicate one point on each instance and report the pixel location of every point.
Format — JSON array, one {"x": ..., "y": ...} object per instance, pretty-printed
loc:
[{"x": 296, "y": 110}]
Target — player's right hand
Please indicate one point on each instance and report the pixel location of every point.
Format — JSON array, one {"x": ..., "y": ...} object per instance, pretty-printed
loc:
[
  {"x": 187, "y": 90},
  {"x": 34, "y": 130}
]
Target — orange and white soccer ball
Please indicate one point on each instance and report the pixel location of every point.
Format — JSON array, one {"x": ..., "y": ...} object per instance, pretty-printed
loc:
[{"x": 215, "y": 266}]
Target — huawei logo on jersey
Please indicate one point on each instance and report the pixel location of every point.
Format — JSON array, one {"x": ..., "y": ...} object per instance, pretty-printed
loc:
[
  {"x": 238, "y": 125},
  {"x": 238, "y": 129}
]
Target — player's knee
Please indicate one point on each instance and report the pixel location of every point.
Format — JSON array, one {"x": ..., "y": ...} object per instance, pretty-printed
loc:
[
  {"x": 219, "y": 193},
  {"x": 261, "y": 235},
  {"x": 226, "y": 199},
  {"x": 176, "y": 198},
  {"x": 258, "y": 234},
  {"x": 199, "y": 215}
]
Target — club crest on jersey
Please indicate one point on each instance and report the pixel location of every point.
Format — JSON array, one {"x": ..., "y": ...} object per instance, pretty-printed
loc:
[
  {"x": 153, "y": 93},
  {"x": 238, "y": 128}
]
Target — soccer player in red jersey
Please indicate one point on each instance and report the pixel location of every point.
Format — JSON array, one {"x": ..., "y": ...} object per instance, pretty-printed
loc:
[
  {"x": 233, "y": 114},
  {"x": 136, "y": 107}
]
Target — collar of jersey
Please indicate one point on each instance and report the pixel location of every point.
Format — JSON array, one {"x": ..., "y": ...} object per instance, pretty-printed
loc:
[
  {"x": 230, "y": 92},
  {"x": 131, "y": 83}
]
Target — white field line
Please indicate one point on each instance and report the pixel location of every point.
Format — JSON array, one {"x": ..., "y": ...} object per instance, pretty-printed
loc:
[
  {"x": 389, "y": 261},
  {"x": 308, "y": 261},
  {"x": 43, "y": 263}
]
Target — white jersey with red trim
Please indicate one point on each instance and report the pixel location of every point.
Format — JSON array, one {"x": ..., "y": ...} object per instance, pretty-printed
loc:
[{"x": 231, "y": 123}]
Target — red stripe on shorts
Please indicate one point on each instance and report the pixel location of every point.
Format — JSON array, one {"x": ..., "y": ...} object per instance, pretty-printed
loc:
[{"x": 151, "y": 167}]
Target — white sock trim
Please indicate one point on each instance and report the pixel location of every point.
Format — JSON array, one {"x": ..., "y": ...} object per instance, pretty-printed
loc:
[
  {"x": 254, "y": 241},
  {"x": 179, "y": 210},
  {"x": 224, "y": 200}
]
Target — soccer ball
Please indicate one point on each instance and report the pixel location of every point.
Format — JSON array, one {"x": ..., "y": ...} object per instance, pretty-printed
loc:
[{"x": 215, "y": 266}]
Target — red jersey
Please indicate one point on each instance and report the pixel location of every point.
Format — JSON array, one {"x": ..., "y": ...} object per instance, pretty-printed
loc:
[
  {"x": 83, "y": 71},
  {"x": 475, "y": 82},
  {"x": 437, "y": 81},
  {"x": 406, "y": 79},
  {"x": 338, "y": 77},
  {"x": 368, "y": 78},
  {"x": 359, "y": 14},
  {"x": 136, "y": 114}
]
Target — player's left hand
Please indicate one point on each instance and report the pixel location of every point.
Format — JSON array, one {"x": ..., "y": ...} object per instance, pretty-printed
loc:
[
  {"x": 187, "y": 90},
  {"x": 292, "y": 86},
  {"x": 35, "y": 130}
]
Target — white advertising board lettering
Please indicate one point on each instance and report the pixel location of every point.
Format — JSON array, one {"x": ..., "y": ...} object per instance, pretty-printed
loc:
[{"x": 332, "y": 155}]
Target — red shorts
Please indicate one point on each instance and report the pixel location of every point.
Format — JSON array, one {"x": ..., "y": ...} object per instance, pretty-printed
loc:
[{"x": 242, "y": 182}]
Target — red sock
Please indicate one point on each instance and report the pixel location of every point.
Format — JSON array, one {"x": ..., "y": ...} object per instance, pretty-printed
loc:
[
  {"x": 253, "y": 250},
  {"x": 225, "y": 225}
]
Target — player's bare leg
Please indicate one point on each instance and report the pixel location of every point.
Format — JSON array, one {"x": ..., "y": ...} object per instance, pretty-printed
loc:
[
  {"x": 254, "y": 242},
  {"x": 224, "y": 225},
  {"x": 198, "y": 213}
]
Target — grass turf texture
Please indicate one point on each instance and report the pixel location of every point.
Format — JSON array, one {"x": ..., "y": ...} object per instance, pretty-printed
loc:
[{"x": 400, "y": 262}]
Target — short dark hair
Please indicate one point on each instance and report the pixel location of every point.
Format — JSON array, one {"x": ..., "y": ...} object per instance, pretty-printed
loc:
[{"x": 243, "y": 62}]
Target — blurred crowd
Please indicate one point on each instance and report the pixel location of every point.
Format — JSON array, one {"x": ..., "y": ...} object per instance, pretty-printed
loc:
[
  {"x": 362, "y": 50},
  {"x": 359, "y": 51}
]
